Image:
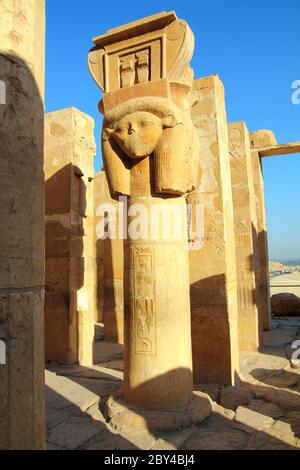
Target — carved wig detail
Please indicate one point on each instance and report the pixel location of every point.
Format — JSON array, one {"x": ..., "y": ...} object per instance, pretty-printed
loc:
[{"x": 117, "y": 168}]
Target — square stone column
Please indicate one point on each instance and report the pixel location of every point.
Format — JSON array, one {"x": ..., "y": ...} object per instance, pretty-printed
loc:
[
  {"x": 110, "y": 263},
  {"x": 245, "y": 224},
  {"x": 99, "y": 192},
  {"x": 263, "y": 285},
  {"x": 213, "y": 268},
  {"x": 22, "y": 42},
  {"x": 70, "y": 241}
]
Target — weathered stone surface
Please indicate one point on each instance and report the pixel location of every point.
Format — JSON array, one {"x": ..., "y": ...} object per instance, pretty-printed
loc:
[
  {"x": 22, "y": 378},
  {"x": 63, "y": 394},
  {"x": 70, "y": 249},
  {"x": 263, "y": 292},
  {"x": 259, "y": 365},
  {"x": 265, "y": 408},
  {"x": 262, "y": 138},
  {"x": 263, "y": 441},
  {"x": 107, "y": 351},
  {"x": 161, "y": 39},
  {"x": 174, "y": 441},
  {"x": 213, "y": 390},
  {"x": 213, "y": 267},
  {"x": 217, "y": 433},
  {"x": 120, "y": 415},
  {"x": 295, "y": 363},
  {"x": 110, "y": 262},
  {"x": 283, "y": 379},
  {"x": 278, "y": 337},
  {"x": 284, "y": 399},
  {"x": 293, "y": 418},
  {"x": 74, "y": 432},
  {"x": 245, "y": 226},
  {"x": 280, "y": 149},
  {"x": 22, "y": 39},
  {"x": 252, "y": 419},
  {"x": 105, "y": 440},
  {"x": 220, "y": 430},
  {"x": 225, "y": 412},
  {"x": 283, "y": 431},
  {"x": 232, "y": 397},
  {"x": 285, "y": 304}
]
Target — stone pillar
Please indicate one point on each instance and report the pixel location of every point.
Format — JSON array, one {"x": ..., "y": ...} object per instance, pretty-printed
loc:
[
  {"x": 213, "y": 268},
  {"x": 110, "y": 296},
  {"x": 263, "y": 284},
  {"x": 158, "y": 358},
  {"x": 70, "y": 241},
  {"x": 150, "y": 152},
  {"x": 22, "y": 36},
  {"x": 245, "y": 224},
  {"x": 99, "y": 192}
]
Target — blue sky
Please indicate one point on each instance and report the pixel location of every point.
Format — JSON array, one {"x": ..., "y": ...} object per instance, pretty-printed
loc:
[{"x": 253, "y": 45}]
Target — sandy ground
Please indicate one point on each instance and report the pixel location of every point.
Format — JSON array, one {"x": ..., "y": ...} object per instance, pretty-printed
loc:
[{"x": 287, "y": 282}]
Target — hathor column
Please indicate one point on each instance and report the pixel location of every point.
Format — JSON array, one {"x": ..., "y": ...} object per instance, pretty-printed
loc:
[
  {"x": 22, "y": 32},
  {"x": 150, "y": 154}
]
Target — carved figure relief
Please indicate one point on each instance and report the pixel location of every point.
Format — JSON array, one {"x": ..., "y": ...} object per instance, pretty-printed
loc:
[{"x": 134, "y": 68}]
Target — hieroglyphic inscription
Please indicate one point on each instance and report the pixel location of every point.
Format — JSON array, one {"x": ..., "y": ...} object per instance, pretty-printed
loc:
[
  {"x": 144, "y": 301},
  {"x": 245, "y": 286}
]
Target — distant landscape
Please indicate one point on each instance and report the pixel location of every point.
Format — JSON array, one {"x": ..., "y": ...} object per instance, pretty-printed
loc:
[
  {"x": 289, "y": 262},
  {"x": 282, "y": 265},
  {"x": 284, "y": 277}
]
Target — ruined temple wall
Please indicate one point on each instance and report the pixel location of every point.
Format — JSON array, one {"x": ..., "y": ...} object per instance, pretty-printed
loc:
[
  {"x": 213, "y": 268},
  {"x": 110, "y": 266},
  {"x": 263, "y": 282},
  {"x": 22, "y": 42},
  {"x": 70, "y": 242},
  {"x": 99, "y": 192},
  {"x": 245, "y": 224}
]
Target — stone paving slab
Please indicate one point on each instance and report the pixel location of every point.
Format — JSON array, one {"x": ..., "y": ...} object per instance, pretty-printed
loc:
[
  {"x": 105, "y": 351},
  {"x": 279, "y": 337},
  {"x": 93, "y": 371},
  {"x": 73, "y": 432},
  {"x": 252, "y": 419},
  {"x": 63, "y": 393},
  {"x": 269, "y": 418}
]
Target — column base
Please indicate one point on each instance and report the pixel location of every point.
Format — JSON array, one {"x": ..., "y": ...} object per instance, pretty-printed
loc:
[{"x": 120, "y": 414}]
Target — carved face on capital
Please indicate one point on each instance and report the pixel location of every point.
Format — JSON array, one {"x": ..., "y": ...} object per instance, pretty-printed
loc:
[{"x": 138, "y": 133}]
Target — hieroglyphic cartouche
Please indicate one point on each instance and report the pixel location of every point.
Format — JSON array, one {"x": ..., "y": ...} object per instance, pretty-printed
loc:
[{"x": 144, "y": 319}]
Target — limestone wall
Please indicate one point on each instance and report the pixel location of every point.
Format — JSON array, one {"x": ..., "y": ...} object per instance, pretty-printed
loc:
[
  {"x": 213, "y": 268},
  {"x": 110, "y": 266},
  {"x": 263, "y": 284},
  {"x": 70, "y": 242},
  {"x": 245, "y": 225},
  {"x": 22, "y": 32}
]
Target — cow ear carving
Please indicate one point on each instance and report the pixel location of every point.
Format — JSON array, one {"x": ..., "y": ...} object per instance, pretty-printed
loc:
[
  {"x": 106, "y": 133},
  {"x": 170, "y": 120}
]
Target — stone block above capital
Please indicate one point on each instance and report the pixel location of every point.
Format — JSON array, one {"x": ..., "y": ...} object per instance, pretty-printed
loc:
[{"x": 156, "y": 47}]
